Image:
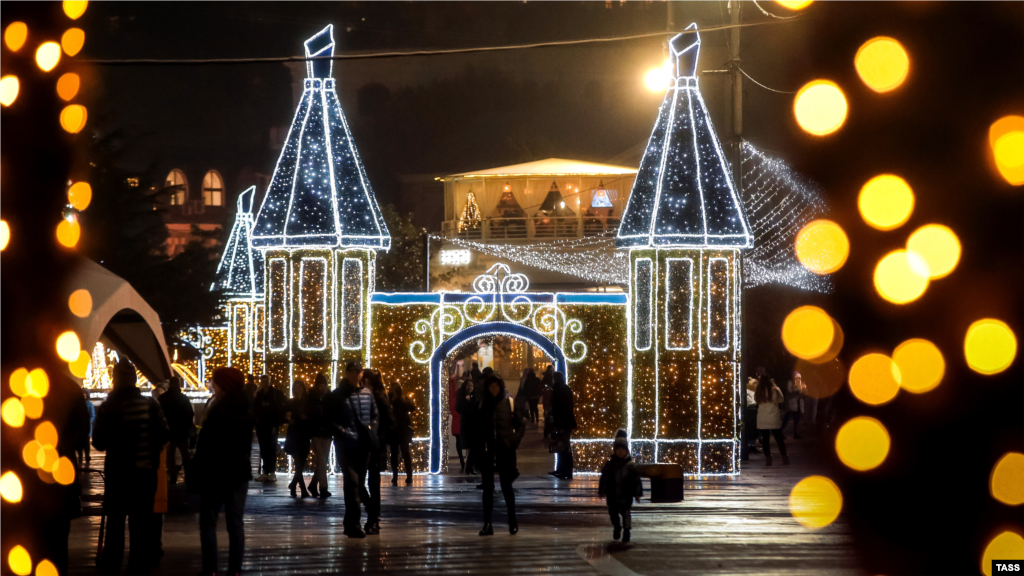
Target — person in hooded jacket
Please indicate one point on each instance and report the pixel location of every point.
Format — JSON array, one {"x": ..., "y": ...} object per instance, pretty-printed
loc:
[
  {"x": 320, "y": 434},
  {"x": 620, "y": 484},
  {"x": 352, "y": 414},
  {"x": 223, "y": 455},
  {"x": 500, "y": 427},
  {"x": 563, "y": 412}
]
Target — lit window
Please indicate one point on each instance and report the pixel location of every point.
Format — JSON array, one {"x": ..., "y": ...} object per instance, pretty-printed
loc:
[
  {"x": 133, "y": 182},
  {"x": 177, "y": 179},
  {"x": 213, "y": 189}
]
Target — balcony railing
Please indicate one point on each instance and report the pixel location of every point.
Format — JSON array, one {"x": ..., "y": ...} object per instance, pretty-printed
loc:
[{"x": 540, "y": 228}]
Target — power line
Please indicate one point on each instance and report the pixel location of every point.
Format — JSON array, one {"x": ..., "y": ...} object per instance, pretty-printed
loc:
[
  {"x": 273, "y": 60},
  {"x": 770, "y": 89}
]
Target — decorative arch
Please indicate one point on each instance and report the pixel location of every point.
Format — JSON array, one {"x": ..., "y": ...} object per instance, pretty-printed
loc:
[{"x": 458, "y": 339}]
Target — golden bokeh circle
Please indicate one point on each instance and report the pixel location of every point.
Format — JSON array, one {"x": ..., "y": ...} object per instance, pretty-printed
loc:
[
  {"x": 921, "y": 365},
  {"x": 10, "y": 487},
  {"x": 939, "y": 246},
  {"x": 68, "y": 346},
  {"x": 1006, "y": 483},
  {"x": 807, "y": 332},
  {"x": 1006, "y": 546},
  {"x": 882, "y": 63},
  {"x": 1006, "y": 141},
  {"x": 901, "y": 276},
  {"x": 886, "y": 202},
  {"x": 9, "y": 88},
  {"x": 72, "y": 41},
  {"x": 15, "y": 35},
  {"x": 820, "y": 107},
  {"x": 68, "y": 85},
  {"x": 862, "y": 443},
  {"x": 990, "y": 346},
  {"x": 73, "y": 118},
  {"x": 48, "y": 56},
  {"x": 794, "y": 4},
  {"x": 19, "y": 561},
  {"x": 815, "y": 501},
  {"x": 80, "y": 303},
  {"x": 822, "y": 246},
  {"x": 80, "y": 195},
  {"x": 68, "y": 233},
  {"x": 874, "y": 379}
]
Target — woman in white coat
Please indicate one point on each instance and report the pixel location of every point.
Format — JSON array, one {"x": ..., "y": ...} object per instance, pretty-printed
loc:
[{"x": 769, "y": 419}]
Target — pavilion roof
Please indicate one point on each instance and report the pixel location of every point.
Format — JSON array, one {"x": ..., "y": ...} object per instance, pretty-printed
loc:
[{"x": 548, "y": 167}]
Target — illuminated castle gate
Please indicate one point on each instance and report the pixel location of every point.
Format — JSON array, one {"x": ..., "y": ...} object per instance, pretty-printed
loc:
[{"x": 659, "y": 360}]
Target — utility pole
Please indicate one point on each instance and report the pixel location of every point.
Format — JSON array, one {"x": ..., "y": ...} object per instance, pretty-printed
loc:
[{"x": 737, "y": 96}]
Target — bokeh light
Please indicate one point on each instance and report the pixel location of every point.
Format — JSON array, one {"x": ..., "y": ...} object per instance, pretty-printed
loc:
[
  {"x": 80, "y": 303},
  {"x": 72, "y": 41},
  {"x": 862, "y": 443},
  {"x": 80, "y": 195},
  {"x": 33, "y": 407},
  {"x": 13, "y": 413},
  {"x": 820, "y": 107},
  {"x": 807, "y": 332},
  {"x": 886, "y": 202},
  {"x": 822, "y": 379},
  {"x": 64, "y": 471},
  {"x": 939, "y": 246},
  {"x": 15, "y": 36},
  {"x": 75, "y": 8},
  {"x": 882, "y": 63},
  {"x": 901, "y": 276},
  {"x": 822, "y": 246},
  {"x": 660, "y": 78},
  {"x": 10, "y": 487},
  {"x": 48, "y": 56},
  {"x": 31, "y": 454},
  {"x": 73, "y": 118},
  {"x": 68, "y": 233},
  {"x": 874, "y": 379},
  {"x": 46, "y": 568},
  {"x": 9, "y": 87},
  {"x": 990, "y": 346},
  {"x": 1007, "y": 480},
  {"x": 1006, "y": 140},
  {"x": 921, "y": 365},
  {"x": 17, "y": 382},
  {"x": 1006, "y": 546},
  {"x": 5, "y": 234},
  {"x": 794, "y": 4},
  {"x": 80, "y": 366},
  {"x": 19, "y": 561},
  {"x": 68, "y": 85},
  {"x": 68, "y": 346},
  {"x": 815, "y": 501},
  {"x": 37, "y": 384},
  {"x": 49, "y": 458},
  {"x": 46, "y": 434}
]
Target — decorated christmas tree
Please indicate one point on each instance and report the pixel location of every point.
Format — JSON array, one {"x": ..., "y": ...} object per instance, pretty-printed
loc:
[{"x": 470, "y": 218}]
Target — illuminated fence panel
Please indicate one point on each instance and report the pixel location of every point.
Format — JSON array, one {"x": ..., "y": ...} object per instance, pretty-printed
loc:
[
  {"x": 352, "y": 303},
  {"x": 679, "y": 303},
  {"x": 277, "y": 301},
  {"x": 643, "y": 310},
  {"x": 313, "y": 304},
  {"x": 240, "y": 334},
  {"x": 718, "y": 303}
]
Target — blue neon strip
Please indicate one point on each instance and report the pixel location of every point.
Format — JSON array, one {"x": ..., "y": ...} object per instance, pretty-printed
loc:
[
  {"x": 392, "y": 298},
  {"x": 596, "y": 298}
]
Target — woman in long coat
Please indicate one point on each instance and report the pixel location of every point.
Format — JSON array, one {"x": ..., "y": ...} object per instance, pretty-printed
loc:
[
  {"x": 500, "y": 427},
  {"x": 769, "y": 418}
]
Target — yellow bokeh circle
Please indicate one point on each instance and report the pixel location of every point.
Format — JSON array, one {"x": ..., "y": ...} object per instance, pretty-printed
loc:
[
  {"x": 10, "y": 487},
  {"x": 939, "y": 246},
  {"x": 30, "y": 454},
  {"x": 64, "y": 471},
  {"x": 921, "y": 365},
  {"x": 68, "y": 346},
  {"x": 15, "y": 36},
  {"x": 886, "y": 202},
  {"x": 1007, "y": 480},
  {"x": 48, "y": 56},
  {"x": 820, "y": 107},
  {"x": 73, "y": 118},
  {"x": 46, "y": 434},
  {"x": 80, "y": 195},
  {"x": 46, "y": 568},
  {"x": 807, "y": 332},
  {"x": 874, "y": 379},
  {"x": 822, "y": 246},
  {"x": 19, "y": 561},
  {"x": 33, "y": 406},
  {"x": 68, "y": 85},
  {"x": 1006, "y": 140},
  {"x": 1006, "y": 546},
  {"x": 13, "y": 413},
  {"x": 794, "y": 4},
  {"x": 37, "y": 384},
  {"x": 815, "y": 501},
  {"x": 80, "y": 366},
  {"x": 862, "y": 443},
  {"x": 882, "y": 64},
  {"x": 5, "y": 234},
  {"x": 80, "y": 303},
  {"x": 17, "y": 382},
  {"x": 901, "y": 276},
  {"x": 68, "y": 233},
  {"x": 75, "y": 8},
  {"x": 72, "y": 41},
  {"x": 990, "y": 346},
  {"x": 9, "y": 88}
]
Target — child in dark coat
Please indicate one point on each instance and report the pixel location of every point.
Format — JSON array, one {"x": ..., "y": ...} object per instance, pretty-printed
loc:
[{"x": 620, "y": 484}]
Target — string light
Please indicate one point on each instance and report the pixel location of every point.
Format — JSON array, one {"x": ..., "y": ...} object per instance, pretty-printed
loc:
[{"x": 471, "y": 217}]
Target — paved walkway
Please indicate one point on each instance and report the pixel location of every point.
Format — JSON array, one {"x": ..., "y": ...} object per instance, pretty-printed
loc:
[{"x": 726, "y": 526}]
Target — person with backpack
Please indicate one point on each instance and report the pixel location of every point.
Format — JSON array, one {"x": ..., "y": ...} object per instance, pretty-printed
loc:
[
  {"x": 620, "y": 484},
  {"x": 500, "y": 428}
]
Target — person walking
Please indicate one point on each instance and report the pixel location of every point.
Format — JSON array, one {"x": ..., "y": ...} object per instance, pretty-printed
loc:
[
  {"x": 181, "y": 421},
  {"x": 224, "y": 467},
  {"x": 386, "y": 431},
  {"x": 750, "y": 433},
  {"x": 402, "y": 440},
  {"x": 769, "y": 419},
  {"x": 82, "y": 449},
  {"x": 620, "y": 484},
  {"x": 353, "y": 415},
  {"x": 320, "y": 433},
  {"x": 795, "y": 404},
  {"x": 269, "y": 409},
  {"x": 464, "y": 406},
  {"x": 563, "y": 412},
  {"x": 478, "y": 376},
  {"x": 296, "y": 441},
  {"x": 456, "y": 419},
  {"x": 132, "y": 430},
  {"x": 499, "y": 430},
  {"x": 532, "y": 390}
]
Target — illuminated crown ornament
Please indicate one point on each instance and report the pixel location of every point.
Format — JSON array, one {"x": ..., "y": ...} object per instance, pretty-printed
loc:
[
  {"x": 240, "y": 272},
  {"x": 320, "y": 196},
  {"x": 683, "y": 195}
]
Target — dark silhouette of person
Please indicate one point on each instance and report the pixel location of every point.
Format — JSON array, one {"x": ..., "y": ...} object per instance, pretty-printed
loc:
[
  {"x": 181, "y": 421},
  {"x": 268, "y": 408},
  {"x": 352, "y": 412},
  {"x": 500, "y": 427},
  {"x": 563, "y": 414}
]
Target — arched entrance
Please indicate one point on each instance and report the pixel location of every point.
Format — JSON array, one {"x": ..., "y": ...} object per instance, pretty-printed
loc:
[{"x": 437, "y": 371}]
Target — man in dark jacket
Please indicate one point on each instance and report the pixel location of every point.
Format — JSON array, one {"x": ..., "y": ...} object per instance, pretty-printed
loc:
[
  {"x": 268, "y": 408},
  {"x": 224, "y": 467},
  {"x": 180, "y": 419},
  {"x": 533, "y": 390},
  {"x": 620, "y": 484},
  {"x": 352, "y": 412},
  {"x": 500, "y": 429},
  {"x": 131, "y": 429},
  {"x": 564, "y": 422}
]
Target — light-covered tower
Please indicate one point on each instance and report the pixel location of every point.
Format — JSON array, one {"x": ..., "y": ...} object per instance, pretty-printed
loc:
[
  {"x": 684, "y": 227},
  {"x": 319, "y": 228},
  {"x": 240, "y": 279}
]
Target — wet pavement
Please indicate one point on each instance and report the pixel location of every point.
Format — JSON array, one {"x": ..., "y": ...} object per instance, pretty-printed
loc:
[{"x": 736, "y": 525}]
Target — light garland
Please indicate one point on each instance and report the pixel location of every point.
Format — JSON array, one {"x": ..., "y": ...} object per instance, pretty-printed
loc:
[{"x": 471, "y": 217}]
